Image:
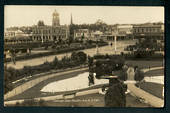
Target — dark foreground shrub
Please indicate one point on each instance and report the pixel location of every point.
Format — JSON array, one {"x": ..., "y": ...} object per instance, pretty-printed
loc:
[{"x": 115, "y": 96}]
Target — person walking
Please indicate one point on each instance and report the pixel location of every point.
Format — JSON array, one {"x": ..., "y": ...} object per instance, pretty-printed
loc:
[{"x": 91, "y": 79}]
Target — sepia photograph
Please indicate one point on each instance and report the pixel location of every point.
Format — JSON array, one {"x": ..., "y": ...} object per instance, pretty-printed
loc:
[{"x": 84, "y": 56}]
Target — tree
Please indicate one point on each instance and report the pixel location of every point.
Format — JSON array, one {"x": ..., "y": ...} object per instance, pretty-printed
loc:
[
  {"x": 82, "y": 57},
  {"x": 79, "y": 57},
  {"x": 40, "y": 23},
  {"x": 115, "y": 95},
  {"x": 71, "y": 37},
  {"x": 106, "y": 64},
  {"x": 90, "y": 61},
  {"x": 55, "y": 61},
  {"x": 65, "y": 62}
]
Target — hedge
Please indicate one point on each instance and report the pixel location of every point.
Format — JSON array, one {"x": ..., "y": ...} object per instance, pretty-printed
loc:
[
  {"x": 132, "y": 56},
  {"x": 69, "y": 49}
]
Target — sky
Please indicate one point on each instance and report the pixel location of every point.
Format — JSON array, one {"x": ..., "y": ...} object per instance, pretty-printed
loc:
[{"x": 25, "y": 15}]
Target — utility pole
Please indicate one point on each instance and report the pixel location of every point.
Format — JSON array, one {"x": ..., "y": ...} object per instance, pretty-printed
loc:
[{"x": 115, "y": 40}]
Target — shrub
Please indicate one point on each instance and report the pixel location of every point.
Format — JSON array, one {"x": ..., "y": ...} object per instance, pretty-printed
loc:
[
  {"x": 139, "y": 75},
  {"x": 115, "y": 95},
  {"x": 7, "y": 82},
  {"x": 24, "y": 50},
  {"x": 79, "y": 57},
  {"x": 55, "y": 61},
  {"x": 27, "y": 70},
  {"x": 123, "y": 75},
  {"x": 106, "y": 64},
  {"x": 57, "y": 50}
]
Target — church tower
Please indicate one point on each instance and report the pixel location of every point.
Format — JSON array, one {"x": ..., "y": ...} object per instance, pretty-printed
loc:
[
  {"x": 71, "y": 28},
  {"x": 56, "y": 20}
]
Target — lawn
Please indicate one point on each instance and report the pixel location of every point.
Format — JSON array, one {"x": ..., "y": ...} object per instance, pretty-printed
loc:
[
  {"x": 145, "y": 63},
  {"x": 152, "y": 88},
  {"x": 155, "y": 72}
]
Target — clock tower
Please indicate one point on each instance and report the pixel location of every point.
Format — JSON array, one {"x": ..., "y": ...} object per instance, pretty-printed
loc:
[{"x": 56, "y": 20}]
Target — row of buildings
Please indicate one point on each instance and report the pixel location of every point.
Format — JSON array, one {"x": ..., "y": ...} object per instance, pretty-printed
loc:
[
  {"x": 124, "y": 31},
  {"x": 56, "y": 32}
]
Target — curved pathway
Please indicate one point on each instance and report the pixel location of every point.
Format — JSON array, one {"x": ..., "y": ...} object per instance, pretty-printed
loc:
[
  {"x": 151, "y": 69},
  {"x": 151, "y": 99}
]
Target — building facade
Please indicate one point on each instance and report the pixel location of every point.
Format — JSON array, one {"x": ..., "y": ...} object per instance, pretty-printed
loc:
[
  {"x": 49, "y": 33},
  {"x": 16, "y": 36},
  {"x": 55, "y": 32},
  {"x": 120, "y": 31},
  {"x": 81, "y": 34},
  {"x": 125, "y": 31},
  {"x": 155, "y": 31},
  {"x": 39, "y": 33},
  {"x": 86, "y": 34}
]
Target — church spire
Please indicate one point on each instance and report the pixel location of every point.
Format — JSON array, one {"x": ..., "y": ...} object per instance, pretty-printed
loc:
[{"x": 71, "y": 19}]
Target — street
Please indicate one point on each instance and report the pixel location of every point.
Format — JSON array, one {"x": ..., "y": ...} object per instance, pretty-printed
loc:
[{"x": 102, "y": 50}]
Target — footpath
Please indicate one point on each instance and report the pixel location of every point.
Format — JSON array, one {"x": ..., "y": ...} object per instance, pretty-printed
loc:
[{"x": 151, "y": 99}]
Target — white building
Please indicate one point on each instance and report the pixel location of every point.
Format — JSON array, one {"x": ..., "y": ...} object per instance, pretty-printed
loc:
[
  {"x": 86, "y": 34},
  {"x": 81, "y": 34}
]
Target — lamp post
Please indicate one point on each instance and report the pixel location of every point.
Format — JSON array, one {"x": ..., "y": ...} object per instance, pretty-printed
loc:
[
  {"x": 42, "y": 40},
  {"x": 13, "y": 55},
  {"x": 4, "y": 61},
  {"x": 97, "y": 48},
  {"x": 163, "y": 62},
  {"x": 115, "y": 39}
]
